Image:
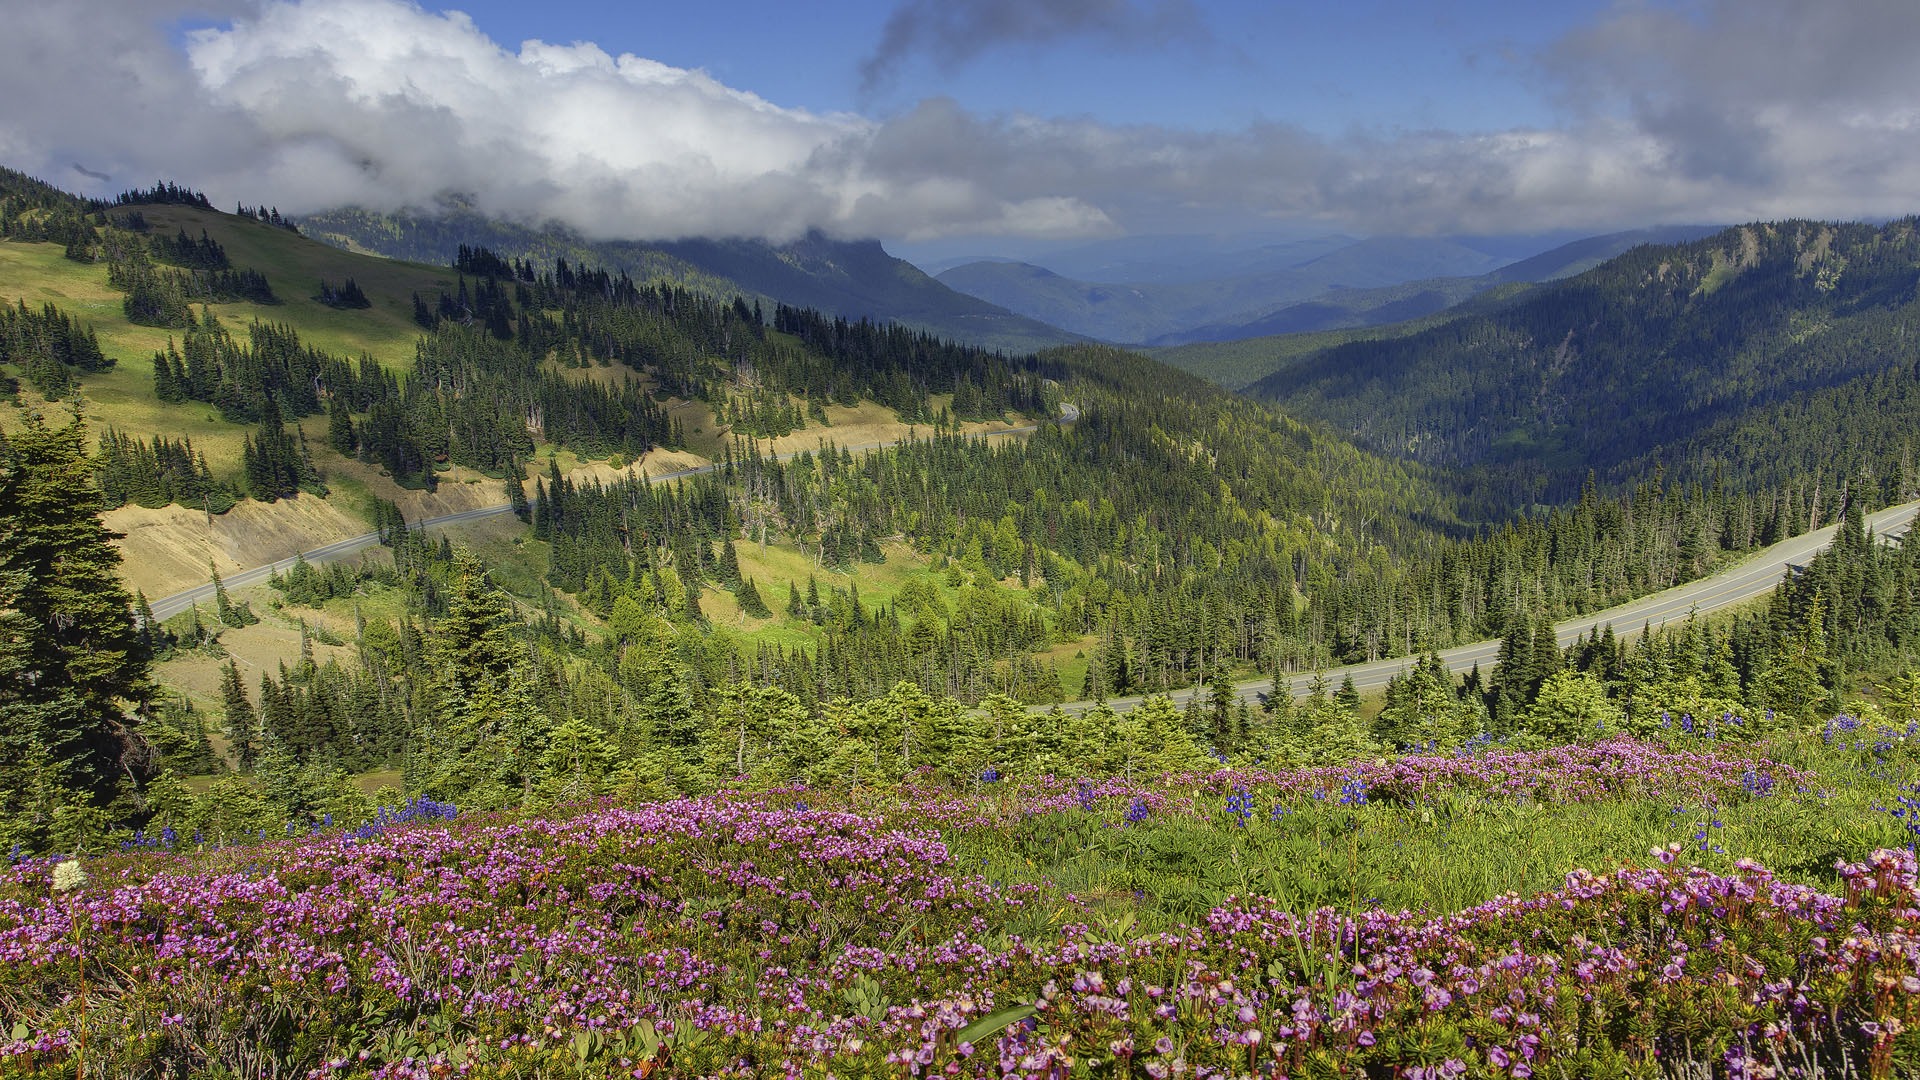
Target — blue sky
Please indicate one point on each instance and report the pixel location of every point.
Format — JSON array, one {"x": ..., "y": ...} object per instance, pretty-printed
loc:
[
  {"x": 987, "y": 124},
  {"x": 1369, "y": 64}
]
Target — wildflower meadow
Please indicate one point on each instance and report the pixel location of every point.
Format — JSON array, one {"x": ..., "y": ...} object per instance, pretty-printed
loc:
[{"x": 1619, "y": 909}]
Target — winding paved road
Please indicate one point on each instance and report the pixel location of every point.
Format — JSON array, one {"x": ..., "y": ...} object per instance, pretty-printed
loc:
[
  {"x": 1750, "y": 578},
  {"x": 168, "y": 606}
]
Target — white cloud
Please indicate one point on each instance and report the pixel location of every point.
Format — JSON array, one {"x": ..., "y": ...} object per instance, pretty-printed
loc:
[
  {"x": 381, "y": 104},
  {"x": 411, "y": 104},
  {"x": 1714, "y": 111}
]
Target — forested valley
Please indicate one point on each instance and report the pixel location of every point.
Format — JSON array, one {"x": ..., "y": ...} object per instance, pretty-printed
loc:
[
  {"x": 1025, "y": 623},
  {"x": 1169, "y": 534}
]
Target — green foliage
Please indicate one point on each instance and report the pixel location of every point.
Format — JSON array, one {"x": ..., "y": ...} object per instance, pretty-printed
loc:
[
  {"x": 1423, "y": 709},
  {"x": 276, "y": 463},
  {"x": 576, "y": 763},
  {"x": 51, "y": 348},
  {"x": 179, "y": 740},
  {"x": 184, "y": 251},
  {"x": 1326, "y": 729},
  {"x": 1570, "y": 706},
  {"x": 158, "y": 472},
  {"x": 242, "y": 723},
  {"x": 750, "y": 600},
  {"x": 75, "y": 665},
  {"x": 1730, "y": 356},
  {"x": 483, "y": 732},
  {"x": 345, "y": 295},
  {"x": 230, "y": 613}
]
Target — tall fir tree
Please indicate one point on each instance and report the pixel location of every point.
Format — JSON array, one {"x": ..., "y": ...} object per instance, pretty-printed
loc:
[
  {"x": 243, "y": 725},
  {"x": 72, "y": 685}
]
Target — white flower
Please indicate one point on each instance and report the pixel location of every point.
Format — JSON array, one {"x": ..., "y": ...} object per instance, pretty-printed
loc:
[{"x": 68, "y": 876}]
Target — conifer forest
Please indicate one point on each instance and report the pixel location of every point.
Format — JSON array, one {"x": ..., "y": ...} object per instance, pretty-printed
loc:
[{"x": 796, "y": 694}]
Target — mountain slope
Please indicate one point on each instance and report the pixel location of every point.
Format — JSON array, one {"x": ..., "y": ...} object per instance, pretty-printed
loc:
[
  {"x": 1169, "y": 258},
  {"x": 1639, "y": 359},
  {"x": 850, "y": 279},
  {"x": 1352, "y": 308},
  {"x": 1233, "y": 289},
  {"x": 1582, "y": 255},
  {"x": 1121, "y": 312}
]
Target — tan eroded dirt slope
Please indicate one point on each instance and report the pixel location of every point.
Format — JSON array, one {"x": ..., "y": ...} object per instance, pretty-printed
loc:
[{"x": 167, "y": 550}]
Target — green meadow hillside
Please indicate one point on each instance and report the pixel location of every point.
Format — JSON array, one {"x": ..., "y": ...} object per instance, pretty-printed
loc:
[
  {"x": 1132, "y": 530},
  {"x": 649, "y": 740}
]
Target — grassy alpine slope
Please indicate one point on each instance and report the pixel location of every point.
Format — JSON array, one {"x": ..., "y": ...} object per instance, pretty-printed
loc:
[{"x": 170, "y": 550}]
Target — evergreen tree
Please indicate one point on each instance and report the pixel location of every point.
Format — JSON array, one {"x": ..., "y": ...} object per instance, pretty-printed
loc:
[
  {"x": 476, "y": 637},
  {"x": 576, "y": 763},
  {"x": 1423, "y": 711},
  {"x": 494, "y": 734},
  {"x": 340, "y": 434},
  {"x": 243, "y": 726},
  {"x": 152, "y": 634},
  {"x": 751, "y": 602},
  {"x": 1512, "y": 689},
  {"x": 1348, "y": 696},
  {"x": 1571, "y": 706},
  {"x": 230, "y": 613},
  {"x": 73, "y": 666},
  {"x": 1798, "y": 685},
  {"x": 1547, "y": 658},
  {"x": 517, "y": 491},
  {"x": 1163, "y": 744},
  {"x": 1331, "y": 730}
]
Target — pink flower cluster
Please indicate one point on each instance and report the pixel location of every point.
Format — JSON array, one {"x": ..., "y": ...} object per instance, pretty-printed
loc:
[{"x": 747, "y": 935}]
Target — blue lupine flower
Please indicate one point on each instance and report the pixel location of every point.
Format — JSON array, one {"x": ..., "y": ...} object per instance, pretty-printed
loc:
[
  {"x": 1705, "y": 838},
  {"x": 1906, "y": 810},
  {"x": 1354, "y": 792},
  {"x": 1240, "y": 805}
]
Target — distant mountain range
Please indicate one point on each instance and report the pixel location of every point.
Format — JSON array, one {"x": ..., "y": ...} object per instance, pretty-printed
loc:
[
  {"x": 1177, "y": 290},
  {"x": 1759, "y": 352},
  {"x": 851, "y": 279},
  {"x": 1166, "y": 258},
  {"x": 1322, "y": 283}
]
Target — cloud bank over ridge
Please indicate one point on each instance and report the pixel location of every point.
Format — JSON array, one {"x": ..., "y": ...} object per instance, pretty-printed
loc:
[{"x": 1711, "y": 111}]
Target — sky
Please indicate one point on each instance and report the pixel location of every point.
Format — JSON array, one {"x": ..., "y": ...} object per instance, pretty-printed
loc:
[{"x": 985, "y": 124}]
